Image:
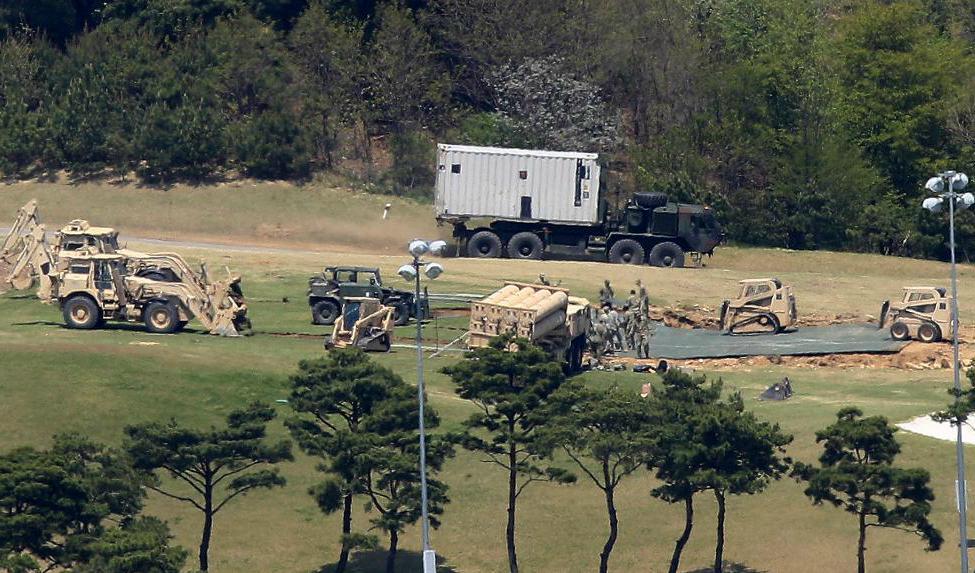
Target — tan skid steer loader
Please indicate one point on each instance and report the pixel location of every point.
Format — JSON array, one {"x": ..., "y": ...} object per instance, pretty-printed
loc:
[
  {"x": 94, "y": 288},
  {"x": 364, "y": 323},
  {"x": 763, "y": 306},
  {"x": 924, "y": 313}
]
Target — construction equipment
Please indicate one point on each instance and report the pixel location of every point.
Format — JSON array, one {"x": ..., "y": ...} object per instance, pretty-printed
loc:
[
  {"x": 25, "y": 255},
  {"x": 762, "y": 306},
  {"x": 924, "y": 313},
  {"x": 365, "y": 323},
  {"x": 93, "y": 288},
  {"x": 328, "y": 290},
  {"x": 531, "y": 204},
  {"x": 544, "y": 314}
]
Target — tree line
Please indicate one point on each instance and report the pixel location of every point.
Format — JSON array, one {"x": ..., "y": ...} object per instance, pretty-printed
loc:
[
  {"x": 804, "y": 124},
  {"x": 77, "y": 506}
]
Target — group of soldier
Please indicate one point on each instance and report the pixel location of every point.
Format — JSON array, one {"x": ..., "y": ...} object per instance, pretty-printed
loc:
[{"x": 618, "y": 327}]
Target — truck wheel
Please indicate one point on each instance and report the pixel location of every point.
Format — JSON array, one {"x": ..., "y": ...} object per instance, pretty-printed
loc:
[
  {"x": 484, "y": 245},
  {"x": 626, "y": 252},
  {"x": 401, "y": 313},
  {"x": 899, "y": 331},
  {"x": 325, "y": 312},
  {"x": 81, "y": 312},
  {"x": 667, "y": 254},
  {"x": 928, "y": 332},
  {"x": 161, "y": 318},
  {"x": 525, "y": 245}
]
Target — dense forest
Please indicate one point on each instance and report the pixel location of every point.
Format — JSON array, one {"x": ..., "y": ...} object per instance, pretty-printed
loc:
[{"x": 804, "y": 123}]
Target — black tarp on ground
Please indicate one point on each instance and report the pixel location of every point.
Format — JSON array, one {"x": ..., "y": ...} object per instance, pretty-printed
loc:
[{"x": 683, "y": 344}]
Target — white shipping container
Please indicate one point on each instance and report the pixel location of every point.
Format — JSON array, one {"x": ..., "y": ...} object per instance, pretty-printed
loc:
[{"x": 517, "y": 184}]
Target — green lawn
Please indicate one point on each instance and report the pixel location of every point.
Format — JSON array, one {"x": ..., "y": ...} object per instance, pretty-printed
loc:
[{"x": 58, "y": 380}]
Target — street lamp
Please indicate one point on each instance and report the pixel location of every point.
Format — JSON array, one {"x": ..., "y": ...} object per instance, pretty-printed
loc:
[
  {"x": 946, "y": 187},
  {"x": 411, "y": 272}
]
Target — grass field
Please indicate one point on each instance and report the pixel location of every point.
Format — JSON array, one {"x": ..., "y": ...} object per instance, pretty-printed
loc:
[{"x": 57, "y": 380}]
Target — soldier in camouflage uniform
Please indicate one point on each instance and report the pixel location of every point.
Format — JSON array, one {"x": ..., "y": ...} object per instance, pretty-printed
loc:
[
  {"x": 643, "y": 297},
  {"x": 632, "y": 324},
  {"x": 597, "y": 340},
  {"x": 647, "y": 329},
  {"x": 606, "y": 294}
]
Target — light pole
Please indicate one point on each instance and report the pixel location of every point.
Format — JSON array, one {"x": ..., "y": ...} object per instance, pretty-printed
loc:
[
  {"x": 946, "y": 187},
  {"x": 411, "y": 272}
]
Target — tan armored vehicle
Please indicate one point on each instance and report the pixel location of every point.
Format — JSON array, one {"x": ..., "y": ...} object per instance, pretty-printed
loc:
[
  {"x": 544, "y": 314},
  {"x": 364, "y": 323},
  {"x": 762, "y": 306},
  {"x": 924, "y": 313},
  {"x": 94, "y": 288}
]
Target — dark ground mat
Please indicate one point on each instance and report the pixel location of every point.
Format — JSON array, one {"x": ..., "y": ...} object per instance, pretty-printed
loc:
[{"x": 683, "y": 344}]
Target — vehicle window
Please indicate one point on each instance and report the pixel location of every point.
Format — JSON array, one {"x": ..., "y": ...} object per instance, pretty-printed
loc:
[
  {"x": 926, "y": 296},
  {"x": 925, "y": 308},
  {"x": 751, "y": 291},
  {"x": 72, "y": 245},
  {"x": 915, "y": 296},
  {"x": 455, "y": 168},
  {"x": 763, "y": 288},
  {"x": 79, "y": 267},
  {"x": 345, "y": 276}
]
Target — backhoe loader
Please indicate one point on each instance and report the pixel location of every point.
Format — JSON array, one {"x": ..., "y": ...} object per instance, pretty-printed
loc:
[
  {"x": 364, "y": 323},
  {"x": 923, "y": 313},
  {"x": 94, "y": 288},
  {"x": 762, "y": 306},
  {"x": 32, "y": 258}
]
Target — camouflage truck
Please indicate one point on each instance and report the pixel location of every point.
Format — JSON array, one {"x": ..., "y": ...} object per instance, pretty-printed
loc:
[
  {"x": 328, "y": 290},
  {"x": 546, "y": 315}
]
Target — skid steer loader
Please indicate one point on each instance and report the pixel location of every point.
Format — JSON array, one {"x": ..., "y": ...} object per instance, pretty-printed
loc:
[
  {"x": 94, "y": 288},
  {"x": 924, "y": 313},
  {"x": 763, "y": 306},
  {"x": 364, "y": 323}
]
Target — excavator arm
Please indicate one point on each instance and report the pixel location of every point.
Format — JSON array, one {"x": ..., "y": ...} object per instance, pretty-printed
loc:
[
  {"x": 34, "y": 261},
  {"x": 26, "y": 221}
]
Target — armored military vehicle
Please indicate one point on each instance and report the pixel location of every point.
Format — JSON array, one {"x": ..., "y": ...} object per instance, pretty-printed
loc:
[{"x": 328, "y": 290}]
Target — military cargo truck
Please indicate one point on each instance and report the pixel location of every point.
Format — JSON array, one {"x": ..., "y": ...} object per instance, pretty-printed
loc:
[
  {"x": 529, "y": 204},
  {"x": 544, "y": 314}
]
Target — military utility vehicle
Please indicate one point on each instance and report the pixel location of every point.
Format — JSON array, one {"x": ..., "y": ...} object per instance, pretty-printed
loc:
[
  {"x": 527, "y": 204},
  {"x": 762, "y": 306},
  {"x": 328, "y": 291},
  {"x": 364, "y": 323},
  {"x": 924, "y": 313}
]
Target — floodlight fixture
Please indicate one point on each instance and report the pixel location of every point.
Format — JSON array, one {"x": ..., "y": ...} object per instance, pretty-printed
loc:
[
  {"x": 437, "y": 247},
  {"x": 418, "y": 248},
  {"x": 935, "y": 185},
  {"x": 959, "y": 181},
  {"x": 408, "y": 272},
  {"x": 933, "y": 204},
  {"x": 433, "y": 270}
]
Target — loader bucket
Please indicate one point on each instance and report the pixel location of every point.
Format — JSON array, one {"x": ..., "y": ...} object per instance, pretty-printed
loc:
[
  {"x": 724, "y": 315},
  {"x": 884, "y": 309}
]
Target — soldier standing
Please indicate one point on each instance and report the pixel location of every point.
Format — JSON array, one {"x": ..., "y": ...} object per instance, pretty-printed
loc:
[
  {"x": 615, "y": 324},
  {"x": 643, "y": 346},
  {"x": 597, "y": 339},
  {"x": 632, "y": 323},
  {"x": 606, "y": 294},
  {"x": 643, "y": 297},
  {"x": 632, "y": 301}
]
